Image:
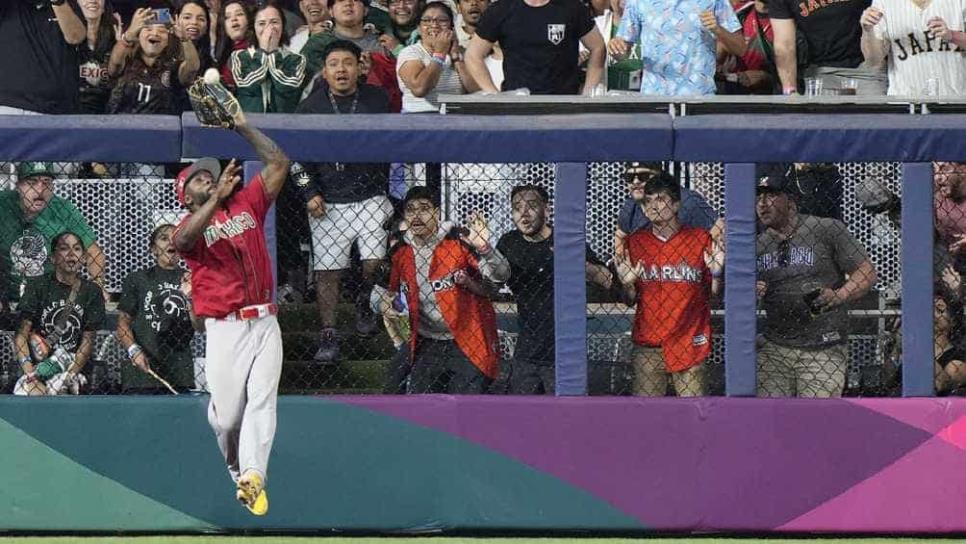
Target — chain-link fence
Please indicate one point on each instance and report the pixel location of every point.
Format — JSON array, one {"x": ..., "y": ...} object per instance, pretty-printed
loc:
[
  {"x": 351, "y": 270},
  {"x": 827, "y": 270},
  {"x": 948, "y": 268}
]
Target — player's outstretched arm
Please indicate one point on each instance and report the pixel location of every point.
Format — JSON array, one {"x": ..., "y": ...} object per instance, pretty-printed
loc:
[{"x": 276, "y": 162}]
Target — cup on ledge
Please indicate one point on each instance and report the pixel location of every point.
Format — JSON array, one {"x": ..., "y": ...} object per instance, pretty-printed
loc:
[
  {"x": 849, "y": 87},
  {"x": 813, "y": 86}
]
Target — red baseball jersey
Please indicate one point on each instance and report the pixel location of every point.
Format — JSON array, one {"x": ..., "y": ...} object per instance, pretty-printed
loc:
[
  {"x": 673, "y": 291},
  {"x": 230, "y": 266}
]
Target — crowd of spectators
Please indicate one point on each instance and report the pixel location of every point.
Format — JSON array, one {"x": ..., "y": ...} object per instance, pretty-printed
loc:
[{"x": 137, "y": 56}]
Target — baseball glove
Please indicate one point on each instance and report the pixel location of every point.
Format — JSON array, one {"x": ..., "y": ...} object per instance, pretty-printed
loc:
[{"x": 213, "y": 104}]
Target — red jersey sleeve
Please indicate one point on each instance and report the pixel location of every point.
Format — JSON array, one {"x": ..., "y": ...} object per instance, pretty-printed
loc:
[
  {"x": 254, "y": 195},
  {"x": 196, "y": 249}
]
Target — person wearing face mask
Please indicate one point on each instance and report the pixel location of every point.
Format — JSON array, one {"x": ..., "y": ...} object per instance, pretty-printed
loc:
[
  {"x": 269, "y": 77},
  {"x": 61, "y": 312},
  {"x": 103, "y": 31},
  {"x": 152, "y": 64},
  {"x": 235, "y": 33}
]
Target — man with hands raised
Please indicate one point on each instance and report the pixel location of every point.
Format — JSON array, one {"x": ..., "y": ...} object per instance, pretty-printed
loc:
[
  {"x": 223, "y": 241},
  {"x": 670, "y": 272},
  {"x": 453, "y": 338}
]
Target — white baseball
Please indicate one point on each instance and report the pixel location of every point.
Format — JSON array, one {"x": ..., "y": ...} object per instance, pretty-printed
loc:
[{"x": 211, "y": 76}]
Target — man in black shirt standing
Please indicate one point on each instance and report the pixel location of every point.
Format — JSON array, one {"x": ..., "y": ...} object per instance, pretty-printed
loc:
[
  {"x": 833, "y": 35},
  {"x": 347, "y": 202},
  {"x": 540, "y": 40},
  {"x": 529, "y": 249},
  {"x": 39, "y": 61}
]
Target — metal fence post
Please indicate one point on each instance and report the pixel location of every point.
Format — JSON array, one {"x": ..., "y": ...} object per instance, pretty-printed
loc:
[
  {"x": 917, "y": 280},
  {"x": 569, "y": 279},
  {"x": 740, "y": 275}
]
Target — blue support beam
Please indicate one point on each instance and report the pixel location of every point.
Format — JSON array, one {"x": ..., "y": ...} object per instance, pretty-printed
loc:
[
  {"x": 917, "y": 280},
  {"x": 569, "y": 279},
  {"x": 740, "y": 276}
]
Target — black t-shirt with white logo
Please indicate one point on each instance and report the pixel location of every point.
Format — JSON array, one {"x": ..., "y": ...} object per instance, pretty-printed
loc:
[
  {"x": 540, "y": 45},
  {"x": 39, "y": 67},
  {"x": 161, "y": 324},
  {"x": 46, "y": 303},
  {"x": 831, "y": 28}
]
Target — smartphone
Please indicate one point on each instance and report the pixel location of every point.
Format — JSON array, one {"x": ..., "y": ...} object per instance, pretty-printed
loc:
[{"x": 162, "y": 16}]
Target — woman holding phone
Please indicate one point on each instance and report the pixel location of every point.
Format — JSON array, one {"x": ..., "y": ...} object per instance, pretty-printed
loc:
[{"x": 152, "y": 64}]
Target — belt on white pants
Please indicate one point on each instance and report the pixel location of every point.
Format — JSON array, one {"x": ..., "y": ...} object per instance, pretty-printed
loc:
[{"x": 256, "y": 311}]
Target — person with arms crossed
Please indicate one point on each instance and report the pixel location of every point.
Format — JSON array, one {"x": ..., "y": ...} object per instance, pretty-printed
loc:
[
  {"x": 223, "y": 241},
  {"x": 919, "y": 43},
  {"x": 670, "y": 272},
  {"x": 540, "y": 40},
  {"x": 60, "y": 314}
]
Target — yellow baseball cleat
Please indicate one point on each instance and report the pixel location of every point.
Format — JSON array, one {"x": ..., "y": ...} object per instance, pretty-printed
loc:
[{"x": 251, "y": 493}]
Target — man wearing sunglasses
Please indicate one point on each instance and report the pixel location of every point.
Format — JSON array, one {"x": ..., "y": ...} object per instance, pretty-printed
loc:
[
  {"x": 693, "y": 212},
  {"x": 809, "y": 269}
]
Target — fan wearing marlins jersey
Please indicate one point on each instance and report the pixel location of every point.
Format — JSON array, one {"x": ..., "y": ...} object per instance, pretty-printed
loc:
[
  {"x": 670, "y": 271},
  {"x": 923, "y": 44}
]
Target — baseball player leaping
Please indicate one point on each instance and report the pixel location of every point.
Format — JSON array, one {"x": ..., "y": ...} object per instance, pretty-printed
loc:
[{"x": 223, "y": 242}]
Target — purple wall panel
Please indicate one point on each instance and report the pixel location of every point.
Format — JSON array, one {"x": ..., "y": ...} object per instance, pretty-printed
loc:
[{"x": 730, "y": 464}]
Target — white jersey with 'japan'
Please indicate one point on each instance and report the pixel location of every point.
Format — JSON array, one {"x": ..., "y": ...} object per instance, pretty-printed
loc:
[{"x": 915, "y": 55}]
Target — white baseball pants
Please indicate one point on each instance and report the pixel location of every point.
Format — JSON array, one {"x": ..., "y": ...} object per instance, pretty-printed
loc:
[{"x": 243, "y": 366}]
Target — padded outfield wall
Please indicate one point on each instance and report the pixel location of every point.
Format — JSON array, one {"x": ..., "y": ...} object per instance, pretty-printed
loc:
[{"x": 572, "y": 462}]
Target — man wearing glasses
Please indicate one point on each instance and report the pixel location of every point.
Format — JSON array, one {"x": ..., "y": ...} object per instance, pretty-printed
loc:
[
  {"x": 438, "y": 269},
  {"x": 809, "y": 269}
]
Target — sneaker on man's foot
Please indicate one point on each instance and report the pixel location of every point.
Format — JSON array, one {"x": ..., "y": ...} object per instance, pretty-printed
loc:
[
  {"x": 328, "y": 352},
  {"x": 365, "y": 319},
  {"x": 251, "y": 493}
]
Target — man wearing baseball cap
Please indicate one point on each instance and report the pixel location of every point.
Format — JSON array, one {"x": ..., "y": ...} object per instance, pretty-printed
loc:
[
  {"x": 223, "y": 242},
  {"x": 809, "y": 269},
  {"x": 31, "y": 216}
]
